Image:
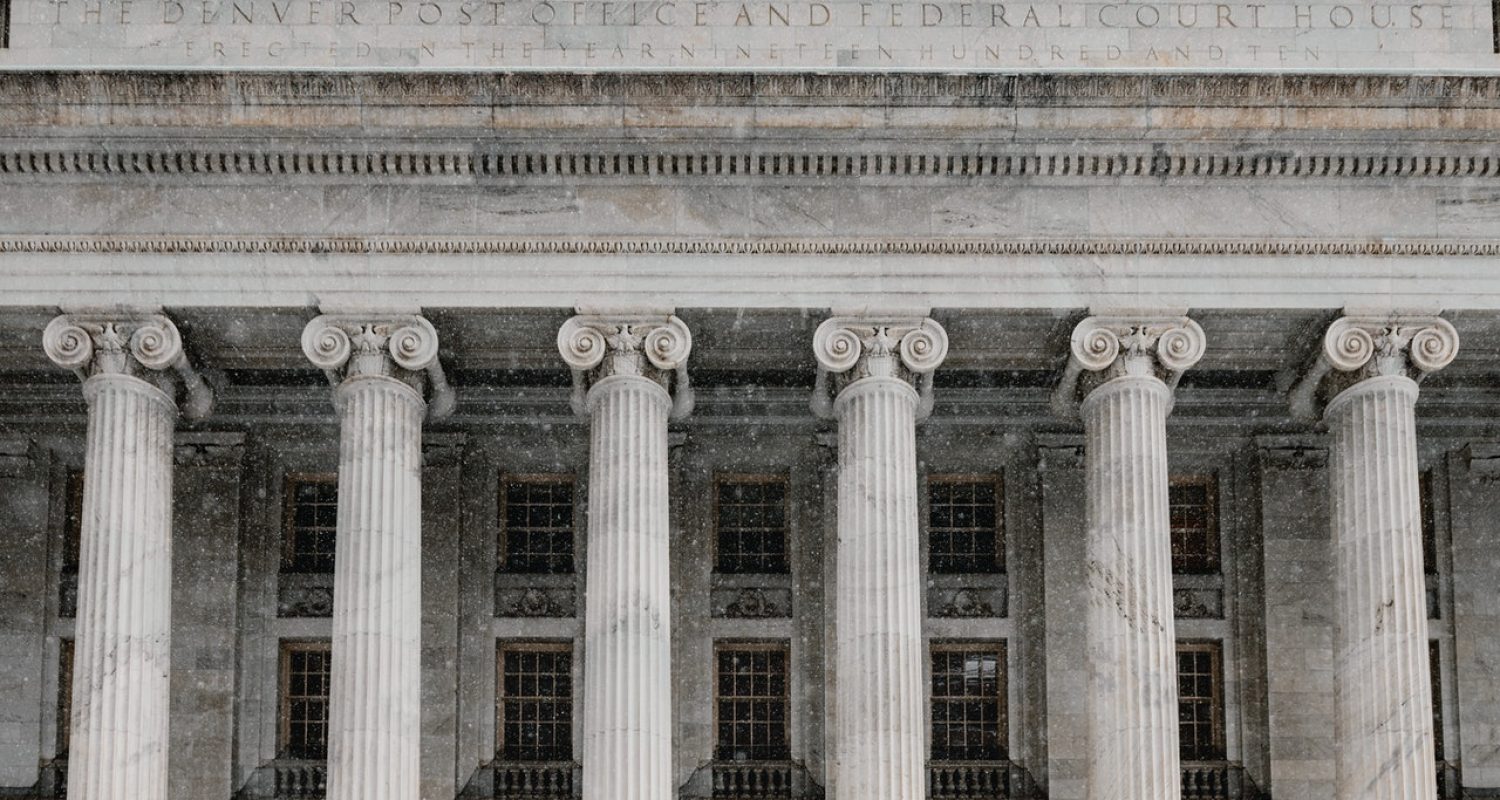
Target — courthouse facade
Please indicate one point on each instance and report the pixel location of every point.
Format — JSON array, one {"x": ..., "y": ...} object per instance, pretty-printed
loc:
[{"x": 634, "y": 401}]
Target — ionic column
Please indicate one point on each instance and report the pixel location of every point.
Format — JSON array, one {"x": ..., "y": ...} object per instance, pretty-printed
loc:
[
  {"x": 1125, "y": 368},
  {"x": 133, "y": 367},
  {"x": 623, "y": 368},
  {"x": 877, "y": 365},
  {"x": 1367, "y": 374},
  {"x": 379, "y": 366}
]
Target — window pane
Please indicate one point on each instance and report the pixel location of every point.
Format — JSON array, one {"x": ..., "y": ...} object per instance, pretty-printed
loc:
[
  {"x": 963, "y": 527},
  {"x": 304, "y": 699},
  {"x": 752, "y": 527},
  {"x": 752, "y": 704},
  {"x": 1195, "y": 531},
  {"x": 536, "y": 703},
  {"x": 968, "y": 703},
  {"x": 538, "y": 519},
  {"x": 312, "y": 523}
]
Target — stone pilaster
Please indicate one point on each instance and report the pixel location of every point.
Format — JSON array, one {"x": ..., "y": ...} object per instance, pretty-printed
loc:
[
  {"x": 623, "y": 367},
  {"x": 379, "y": 365},
  {"x": 133, "y": 366},
  {"x": 1126, "y": 367},
  {"x": 876, "y": 364},
  {"x": 1368, "y": 371}
]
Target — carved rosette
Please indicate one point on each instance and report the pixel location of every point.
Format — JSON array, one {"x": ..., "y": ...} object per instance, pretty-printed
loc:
[
  {"x": 1106, "y": 347},
  {"x": 142, "y": 345},
  {"x": 651, "y": 346},
  {"x": 403, "y": 347},
  {"x": 1357, "y": 348},
  {"x": 849, "y": 349}
]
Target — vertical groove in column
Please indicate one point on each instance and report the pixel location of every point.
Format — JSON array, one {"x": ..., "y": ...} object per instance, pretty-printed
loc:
[
  {"x": 1131, "y": 631},
  {"x": 1383, "y": 693},
  {"x": 374, "y": 720},
  {"x": 879, "y": 676},
  {"x": 123, "y": 633},
  {"x": 627, "y": 734}
]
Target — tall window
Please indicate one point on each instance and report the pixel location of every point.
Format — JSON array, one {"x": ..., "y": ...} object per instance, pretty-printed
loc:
[
  {"x": 752, "y": 702},
  {"x": 1193, "y": 507},
  {"x": 1435, "y": 665},
  {"x": 536, "y": 702},
  {"x": 4, "y": 24},
  {"x": 968, "y": 702},
  {"x": 304, "y": 699},
  {"x": 537, "y": 511},
  {"x": 64, "y": 696},
  {"x": 1200, "y": 701},
  {"x": 751, "y": 525},
  {"x": 964, "y": 531},
  {"x": 73, "y": 522},
  {"x": 312, "y": 515},
  {"x": 1429, "y": 524}
]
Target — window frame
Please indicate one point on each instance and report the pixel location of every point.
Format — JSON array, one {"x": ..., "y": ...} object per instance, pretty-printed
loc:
[
  {"x": 783, "y": 646},
  {"x": 286, "y": 648},
  {"x": 1435, "y": 678},
  {"x": 289, "y": 515},
  {"x": 1210, "y": 482},
  {"x": 1001, "y": 649},
  {"x": 502, "y": 535},
  {"x": 758, "y": 478},
  {"x": 1218, "y": 726},
  {"x": 1001, "y": 538},
  {"x": 504, "y": 646}
]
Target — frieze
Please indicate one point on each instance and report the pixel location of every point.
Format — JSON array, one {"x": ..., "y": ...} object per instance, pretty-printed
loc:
[
  {"x": 966, "y": 603},
  {"x": 183, "y": 162},
  {"x": 535, "y": 601},
  {"x": 947, "y": 246},
  {"x": 304, "y": 595},
  {"x": 751, "y": 602}
]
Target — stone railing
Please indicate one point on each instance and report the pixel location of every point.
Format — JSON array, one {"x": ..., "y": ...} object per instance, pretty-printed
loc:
[
  {"x": 1213, "y": 780},
  {"x": 980, "y": 780},
  {"x": 552, "y": 780},
  {"x": 300, "y": 779},
  {"x": 753, "y": 780}
]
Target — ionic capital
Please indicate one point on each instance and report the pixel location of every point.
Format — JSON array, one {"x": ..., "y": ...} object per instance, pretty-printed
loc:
[
  {"x": 143, "y": 345},
  {"x": 650, "y": 345},
  {"x": 905, "y": 346},
  {"x": 1362, "y": 346},
  {"x": 1135, "y": 344},
  {"x": 399, "y": 346}
]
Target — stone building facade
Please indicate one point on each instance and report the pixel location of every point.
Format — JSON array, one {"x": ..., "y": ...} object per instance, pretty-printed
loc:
[{"x": 397, "y": 424}]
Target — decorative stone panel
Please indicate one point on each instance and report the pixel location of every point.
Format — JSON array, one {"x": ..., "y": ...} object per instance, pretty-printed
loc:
[
  {"x": 535, "y": 595},
  {"x": 1198, "y": 596},
  {"x": 751, "y": 597},
  {"x": 304, "y": 594},
  {"x": 967, "y": 596}
]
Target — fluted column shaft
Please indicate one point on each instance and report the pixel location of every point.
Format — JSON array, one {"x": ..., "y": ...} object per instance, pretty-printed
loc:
[
  {"x": 1127, "y": 366},
  {"x": 379, "y": 365},
  {"x": 881, "y": 730},
  {"x": 627, "y": 733},
  {"x": 1382, "y": 686},
  {"x": 630, "y": 377},
  {"x": 123, "y": 633},
  {"x": 1132, "y": 640},
  {"x": 879, "y": 369},
  {"x": 375, "y": 694},
  {"x": 133, "y": 365}
]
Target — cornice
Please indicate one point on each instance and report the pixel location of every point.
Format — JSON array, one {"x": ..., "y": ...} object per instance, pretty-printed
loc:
[
  {"x": 238, "y": 88},
  {"x": 937, "y": 246}
]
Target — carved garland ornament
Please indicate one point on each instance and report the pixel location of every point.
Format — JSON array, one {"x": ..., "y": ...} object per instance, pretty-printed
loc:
[
  {"x": 401, "y": 346},
  {"x": 851, "y": 348},
  {"x": 651, "y": 346},
  {"x": 144, "y": 345},
  {"x": 1105, "y": 347},
  {"x": 1359, "y": 347}
]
